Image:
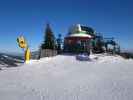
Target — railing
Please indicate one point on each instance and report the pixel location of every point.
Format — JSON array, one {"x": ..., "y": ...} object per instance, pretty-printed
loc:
[{"x": 47, "y": 53}]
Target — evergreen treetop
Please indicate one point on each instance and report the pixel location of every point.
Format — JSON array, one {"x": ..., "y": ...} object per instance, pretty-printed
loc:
[{"x": 49, "y": 39}]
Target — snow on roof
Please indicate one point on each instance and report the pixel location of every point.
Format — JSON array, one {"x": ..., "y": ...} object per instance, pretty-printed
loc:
[{"x": 80, "y": 35}]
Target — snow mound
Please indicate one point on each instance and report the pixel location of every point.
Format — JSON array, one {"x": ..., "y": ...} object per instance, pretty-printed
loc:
[{"x": 62, "y": 77}]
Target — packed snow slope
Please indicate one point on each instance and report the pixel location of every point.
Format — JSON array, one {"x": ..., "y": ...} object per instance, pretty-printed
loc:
[{"x": 104, "y": 77}]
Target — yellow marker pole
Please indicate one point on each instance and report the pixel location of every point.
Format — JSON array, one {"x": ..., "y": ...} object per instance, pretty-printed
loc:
[{"x": 27, "y": 55}]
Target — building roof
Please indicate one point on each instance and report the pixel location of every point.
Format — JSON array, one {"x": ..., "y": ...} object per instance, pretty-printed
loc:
[
  {"x": 80, "y": 34},
  {"x": 89, "y": 30},
  {"x": 80, "y": 31}
]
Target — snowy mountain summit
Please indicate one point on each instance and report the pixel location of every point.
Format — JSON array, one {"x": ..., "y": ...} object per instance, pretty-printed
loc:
[{"x": 103, "y": 77}]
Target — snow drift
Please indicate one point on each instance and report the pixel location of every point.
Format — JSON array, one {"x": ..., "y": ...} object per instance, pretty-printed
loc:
[{"x": 65, "y": 78}]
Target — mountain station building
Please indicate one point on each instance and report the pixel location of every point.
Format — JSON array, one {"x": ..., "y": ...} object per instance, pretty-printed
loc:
[{"x": 79, "y": 39}]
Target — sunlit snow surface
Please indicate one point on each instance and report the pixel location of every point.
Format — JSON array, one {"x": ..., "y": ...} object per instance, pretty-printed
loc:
[{"x": 64, "y": 78}]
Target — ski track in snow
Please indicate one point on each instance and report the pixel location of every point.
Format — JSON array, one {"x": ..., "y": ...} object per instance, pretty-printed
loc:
[{"x": 64, "y": 78}]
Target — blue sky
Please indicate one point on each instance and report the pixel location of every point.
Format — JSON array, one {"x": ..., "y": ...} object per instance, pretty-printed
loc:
[{"x": 114, "y": 18}]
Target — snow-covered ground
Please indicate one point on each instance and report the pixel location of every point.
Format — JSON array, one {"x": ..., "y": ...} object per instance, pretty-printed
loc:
[{"x": 65, "y": 78}]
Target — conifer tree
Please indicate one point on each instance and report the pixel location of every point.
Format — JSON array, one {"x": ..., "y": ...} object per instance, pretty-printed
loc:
[{"x": 49, "y": 39}]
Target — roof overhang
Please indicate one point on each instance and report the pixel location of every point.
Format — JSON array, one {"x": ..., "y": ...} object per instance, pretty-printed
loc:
[{"x": 80, "y": 36}]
